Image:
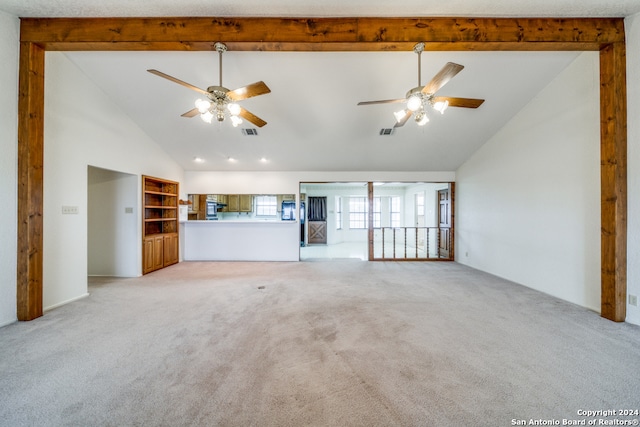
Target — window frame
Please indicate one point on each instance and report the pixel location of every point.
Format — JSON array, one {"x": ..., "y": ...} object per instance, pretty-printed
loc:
[
  {"x": 338, "y": 212},
  {"x": 361, "y": 216},
  {"x": 395, "y": 217},
  {"x": 258, "y": 205}
]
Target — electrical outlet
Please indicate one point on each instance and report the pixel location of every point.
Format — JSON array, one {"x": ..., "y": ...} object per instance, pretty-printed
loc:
[
  {"x": 128, "y": 210},
  {"x": 633, "y": 300},
  {"x": 69, "y": 210}
]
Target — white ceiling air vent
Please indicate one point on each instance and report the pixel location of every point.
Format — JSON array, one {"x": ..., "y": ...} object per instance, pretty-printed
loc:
[
  {"x": 250, "y": 132},
  {"x": 386, "y": 131}
]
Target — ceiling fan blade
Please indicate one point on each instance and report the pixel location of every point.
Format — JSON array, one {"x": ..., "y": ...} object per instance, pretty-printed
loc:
[
  {"x": 386, "y": 101},
  {"x": 460, "y": 102},
  {"x": 180, "y": 82},
  {"x": 191, "y": 113},
  {"x": 254, "y": 89},
  {"x": 251, "y": 118},
  {"x": 442, "y": 78},
  {"x": 404, "y": 119}
]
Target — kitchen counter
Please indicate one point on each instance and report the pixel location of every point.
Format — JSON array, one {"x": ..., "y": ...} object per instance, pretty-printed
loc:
[{"x": 241, "y": 240}]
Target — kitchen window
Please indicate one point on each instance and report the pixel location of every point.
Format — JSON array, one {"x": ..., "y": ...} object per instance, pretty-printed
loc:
[{"x": 266, "y": 205}]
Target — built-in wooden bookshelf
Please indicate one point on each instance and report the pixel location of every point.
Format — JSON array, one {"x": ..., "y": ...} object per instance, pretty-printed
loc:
[{"x": 159, "y": 223}]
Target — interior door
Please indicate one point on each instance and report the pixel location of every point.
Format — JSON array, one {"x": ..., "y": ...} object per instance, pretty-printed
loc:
[
  {"x": 317, "y": 232},
  {"x": 444, "y": 223},
  {"x": 317, "y": 216}
]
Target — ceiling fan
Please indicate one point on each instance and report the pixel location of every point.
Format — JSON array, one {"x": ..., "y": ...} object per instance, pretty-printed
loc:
[
  {"x": 421, "y": 96},
  {"x": 220, "y": 100}
]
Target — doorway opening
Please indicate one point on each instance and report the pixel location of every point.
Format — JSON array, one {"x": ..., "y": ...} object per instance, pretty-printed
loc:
[
  {"x": 113, "y": 232},
  {"x": 327, "y": 232},
  {"x": 398, "y": 221}
]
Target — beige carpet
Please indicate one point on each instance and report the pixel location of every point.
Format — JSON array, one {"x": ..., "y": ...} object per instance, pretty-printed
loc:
[{"x": 341, "y": 343}]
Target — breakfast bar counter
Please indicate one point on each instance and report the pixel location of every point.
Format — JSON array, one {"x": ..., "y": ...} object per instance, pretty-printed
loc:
[{"x": 250, "y": 240}]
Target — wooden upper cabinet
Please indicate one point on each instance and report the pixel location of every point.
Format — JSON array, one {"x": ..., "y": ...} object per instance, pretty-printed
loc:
[
  {"x": 239, "y": 203},
  {"x": 233, "y": 203},
  {"x": 246, "y": 203}
]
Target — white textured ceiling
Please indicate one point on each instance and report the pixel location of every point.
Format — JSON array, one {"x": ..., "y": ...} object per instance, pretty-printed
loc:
[
  {"x": 313, "y": 120},
  {"x": 324, "y": 8}
]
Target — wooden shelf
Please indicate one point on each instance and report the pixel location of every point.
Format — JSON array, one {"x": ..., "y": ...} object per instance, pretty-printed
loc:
[
  {"x": 159, "y": 223},
  {"x": 160, "y": 193}
]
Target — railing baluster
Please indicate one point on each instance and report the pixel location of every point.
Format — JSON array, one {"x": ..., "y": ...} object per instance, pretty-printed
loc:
[
  {"x": 405, "y": 243},
  {"x": 422, "y": 242},
  {"x": 394, "y": 243}
]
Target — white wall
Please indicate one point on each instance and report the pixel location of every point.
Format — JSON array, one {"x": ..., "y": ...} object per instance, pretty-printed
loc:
[
  {"x": 9, "y": 54},
  {"x": 632, "y": 25},
  {"x": 112, "y": 224},
  {"x": 84, "y": 128},
  {"x": 528, "y": 202}
]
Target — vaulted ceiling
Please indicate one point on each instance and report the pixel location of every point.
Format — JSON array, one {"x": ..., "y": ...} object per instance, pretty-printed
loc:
[
  {"x": 313, "y": 119},
  {"x": 314, "y": 122}
]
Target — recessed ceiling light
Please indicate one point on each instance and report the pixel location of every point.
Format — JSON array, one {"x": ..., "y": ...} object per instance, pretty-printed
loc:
[
  {"x": 231, "y": 159},
  {"x": 263, "y": 160},
  {"x": 198, "y": 159}
]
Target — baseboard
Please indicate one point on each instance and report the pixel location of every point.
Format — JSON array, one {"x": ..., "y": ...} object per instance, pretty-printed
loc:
[
  {"x": 9, "y": 322},
  {"x": 51, "y": 307},
  {"x": 98, "y": 277}
]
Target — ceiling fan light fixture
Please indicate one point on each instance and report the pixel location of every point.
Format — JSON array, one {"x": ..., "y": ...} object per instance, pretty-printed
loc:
[
  {"x": 235, "y": 121},
  {"x": 414, "y": 102},
  {"x": 234, "y": 109},
  {"x": 202, "y": 105},
  {"x": 221, "y": 101},
  {"x": 421, "y": 118},
  {"x": 206, "y": 116},
  {"x": 417, "y": 98},
  {"x": 400, "y": 115},
  {"x": 441, "y": 106}
]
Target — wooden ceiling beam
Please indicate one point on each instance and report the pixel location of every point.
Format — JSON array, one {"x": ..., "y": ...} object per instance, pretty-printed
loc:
[{"x": 322, "y": 34}]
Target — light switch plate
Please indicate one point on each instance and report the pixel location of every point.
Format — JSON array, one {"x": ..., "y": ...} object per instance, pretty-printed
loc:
[{"x": 70, "y": 210}]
